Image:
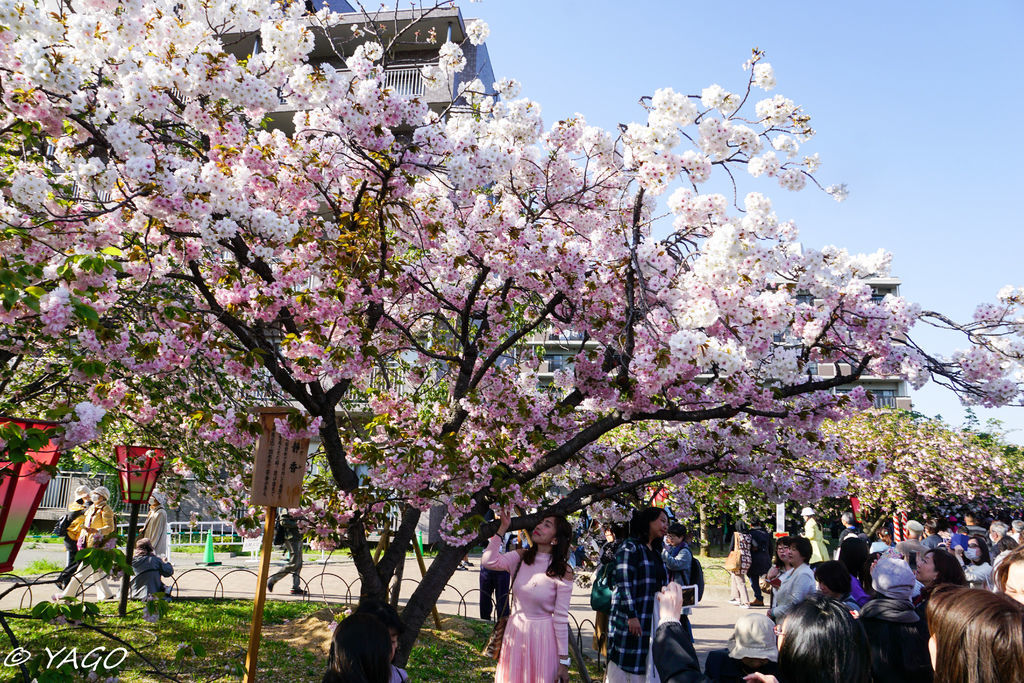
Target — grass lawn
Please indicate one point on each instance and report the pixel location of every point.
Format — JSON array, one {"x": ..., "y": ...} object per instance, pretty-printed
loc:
[
  {"x": 293, "y": 648},
  {"x": 37, "y": 567}
]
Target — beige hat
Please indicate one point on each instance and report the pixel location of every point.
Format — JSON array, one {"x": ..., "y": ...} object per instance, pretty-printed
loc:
[
  {"x": 82, "y": 491},
  {"x": 103, "y": 491},
  {"x": 915, "y": 526},
  {"x": 753, "y": 636}
]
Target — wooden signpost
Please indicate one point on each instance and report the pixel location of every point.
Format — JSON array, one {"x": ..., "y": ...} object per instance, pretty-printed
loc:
[{"x": 276, "y": 482}]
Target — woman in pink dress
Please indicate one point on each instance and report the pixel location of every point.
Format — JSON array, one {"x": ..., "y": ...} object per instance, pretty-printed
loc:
[{"x": 536, "y": 644}]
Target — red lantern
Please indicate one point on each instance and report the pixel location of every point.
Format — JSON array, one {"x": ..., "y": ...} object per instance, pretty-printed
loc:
[
  {"x": 22, "y": 485},
  {"x": 138, "y": 468}
]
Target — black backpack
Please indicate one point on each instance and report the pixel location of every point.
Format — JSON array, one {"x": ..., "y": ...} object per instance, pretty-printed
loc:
[
  {"x": 697, "y": 577},
  {"x": 64, "y": 523}
]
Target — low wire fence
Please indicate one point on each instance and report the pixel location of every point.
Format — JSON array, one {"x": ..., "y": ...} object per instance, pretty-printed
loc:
[{"x": 326, "y": 586}]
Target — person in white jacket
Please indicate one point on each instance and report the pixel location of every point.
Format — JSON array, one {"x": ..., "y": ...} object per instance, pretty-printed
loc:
[
  {"x": 797, "y": 583},
  {"x": 976, "y": 562}
]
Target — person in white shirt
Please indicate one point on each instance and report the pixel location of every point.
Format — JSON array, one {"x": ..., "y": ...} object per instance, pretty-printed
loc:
[{"x": 797, "y": 583}]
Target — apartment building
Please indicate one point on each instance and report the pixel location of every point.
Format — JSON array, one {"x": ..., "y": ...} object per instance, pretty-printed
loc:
[
  {"x": 559, "y": 348},
  {"x": 416, "y": 36}
]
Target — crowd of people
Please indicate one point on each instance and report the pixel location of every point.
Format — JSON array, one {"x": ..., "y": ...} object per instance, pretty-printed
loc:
[
  {"x": 946, "y": 604},
  {"x": 89, "y": 523}
]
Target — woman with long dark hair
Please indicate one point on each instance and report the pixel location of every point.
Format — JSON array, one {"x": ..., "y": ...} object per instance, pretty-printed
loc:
[
  {"x": 820, "y": 642},
  {"x": 976, "y": 636},
  {"x": 360, "y": 651},
  {"x": 937, "y": 568},
  {"x": 639, "y": 575},
  {"x": 535, "y": 647},
  {"x": 614, "y": 534}
]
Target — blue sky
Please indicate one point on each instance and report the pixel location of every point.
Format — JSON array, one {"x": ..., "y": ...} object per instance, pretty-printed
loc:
[{"x": 917, "y": 108}]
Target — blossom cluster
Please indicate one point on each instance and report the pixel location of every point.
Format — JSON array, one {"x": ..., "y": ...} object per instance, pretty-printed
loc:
[{"x": 387, "y": 270}]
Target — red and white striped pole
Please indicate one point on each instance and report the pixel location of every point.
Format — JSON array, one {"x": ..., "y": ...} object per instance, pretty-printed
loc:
[{"x": 899, "y": 527}]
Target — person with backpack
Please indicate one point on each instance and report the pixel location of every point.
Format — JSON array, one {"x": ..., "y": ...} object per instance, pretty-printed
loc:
[
  {"x": 287, "y": 534},
  {"x": 69, "y": 528},
  {"x": 678, "y": 559}
]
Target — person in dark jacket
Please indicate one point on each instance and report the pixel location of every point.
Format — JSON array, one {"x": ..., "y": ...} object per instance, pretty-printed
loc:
[
  {"x": 76, "y": 516},
  {"x": 932, "y": 527},
  {"x": 853, "y": 553},
  {"x": 293, "y": 546},
  {"x": 897, "y": 635},
  {"x": 672, "y": 647},
  {"x": 494, "y": 586},
  {"x": 614, "y": 534},
  {"x": 760, "y": 561},
  {"x": 148, "y": 570}
]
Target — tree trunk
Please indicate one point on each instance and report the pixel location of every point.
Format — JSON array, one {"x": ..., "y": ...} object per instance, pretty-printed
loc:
[
  {"x": 396, "y": 586},
  {"x": 375, "y": 577},
  {"x": 877, "y": 524},
  {"x": 425, "y": 597}
]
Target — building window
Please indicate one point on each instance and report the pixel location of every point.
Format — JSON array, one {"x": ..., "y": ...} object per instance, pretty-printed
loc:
[
  {"x": 556, "y": 361},
  {"x": 884, "y": 398}
]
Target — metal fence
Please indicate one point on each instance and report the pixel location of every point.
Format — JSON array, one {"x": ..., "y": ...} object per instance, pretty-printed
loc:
[
  {"x": 325, "y": 586},
  {"x": 182, "y": 534},
  {"x": 60, "y": 489}
]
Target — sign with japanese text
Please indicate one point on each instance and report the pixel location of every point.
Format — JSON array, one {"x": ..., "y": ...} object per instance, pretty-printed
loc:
[
  {"x": 252, "y": 545},
  {"x": 280, "y": 464}
]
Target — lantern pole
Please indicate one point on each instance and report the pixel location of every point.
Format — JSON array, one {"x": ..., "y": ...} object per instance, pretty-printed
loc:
[{"x": 122, "y": 606}]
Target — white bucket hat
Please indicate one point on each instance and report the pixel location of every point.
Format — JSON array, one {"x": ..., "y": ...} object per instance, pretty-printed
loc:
[
  {"x": 82, "y": 491},
  {"x": 103, "y": 491},
  {"x": 753, "y": 636},
  {"x": 807, "y": 512}
]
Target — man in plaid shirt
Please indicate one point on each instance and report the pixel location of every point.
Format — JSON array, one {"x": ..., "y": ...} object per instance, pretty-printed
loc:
[{"x": 639, "y": 574}]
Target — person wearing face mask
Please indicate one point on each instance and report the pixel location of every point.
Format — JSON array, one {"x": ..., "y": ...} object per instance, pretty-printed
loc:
[
  {"x": 975, "y": 560},
  {"x": 96, "y": 529},
  {"x": 71, "y": 528},
  {"x": 155, "y": 528}
]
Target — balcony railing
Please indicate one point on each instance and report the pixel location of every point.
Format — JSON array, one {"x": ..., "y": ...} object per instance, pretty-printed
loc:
[
  {"x": 60, "y": 489},
  {"x": 407, "y": 81}
]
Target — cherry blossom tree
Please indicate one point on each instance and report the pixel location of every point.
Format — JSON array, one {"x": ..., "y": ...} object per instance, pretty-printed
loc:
[
  {"x": 178, "y": 258},
  {"x": 897, "y": 461}
]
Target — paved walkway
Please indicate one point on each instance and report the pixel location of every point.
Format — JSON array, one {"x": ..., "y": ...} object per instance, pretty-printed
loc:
[{"x": 336, "y": 580}]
